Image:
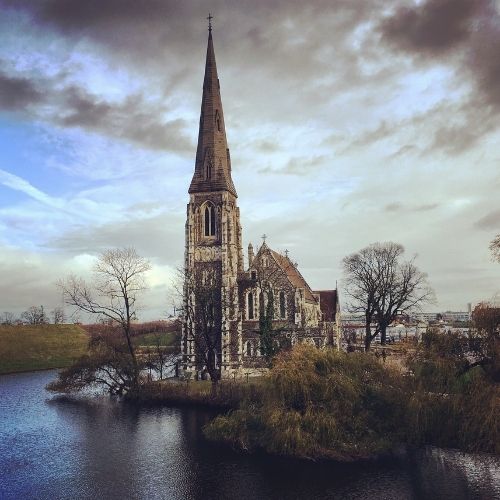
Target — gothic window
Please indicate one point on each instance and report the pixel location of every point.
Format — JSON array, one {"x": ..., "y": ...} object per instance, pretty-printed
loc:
[
  {"x": 248, "y": 348},
  {"x": 208, "y": 171},
  {"x": 209, "y": 220},
  {"x": 270, "y": 302},
  {"x": 261, "y": 304},
  {"x": 250, "y": 306},
  {"x": 282, "y": 305},
  {"x": 254, "y": 275}
]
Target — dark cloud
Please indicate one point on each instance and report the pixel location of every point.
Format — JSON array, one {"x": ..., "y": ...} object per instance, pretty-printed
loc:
[
  {"x": 470, "y": 28},
  {"x": 291, "y": 40},
  {"x": 434, "y": 26},
  {"x": 16, "y": 94},
  {"x": 400, "y": 207},
  {"x": 132, "y": 120},
  {"x": 449, "y": 127},
  {"x": 489, "y": 221},
  {"x": 266, "y": 146},
  {"x": 393, "y": 207},
  {"x": 404, "y": 151}
]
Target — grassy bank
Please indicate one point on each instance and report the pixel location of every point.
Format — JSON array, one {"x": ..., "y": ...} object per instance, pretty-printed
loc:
[{"x": 40, "y": 347}]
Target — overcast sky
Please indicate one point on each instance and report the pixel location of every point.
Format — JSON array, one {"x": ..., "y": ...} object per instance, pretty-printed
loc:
[{"x": 349, "y": 122}]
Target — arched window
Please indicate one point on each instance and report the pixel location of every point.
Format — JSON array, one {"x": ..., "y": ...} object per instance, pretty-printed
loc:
[
  {"x": 261, "y": 304},
  {"x": 248, "y": 348},
  {"x": 208, "y": 171},
  {"x": 282, "y": 305},
  {"x": 250, "y": 306},
  {"x": 209, "y": 220}
]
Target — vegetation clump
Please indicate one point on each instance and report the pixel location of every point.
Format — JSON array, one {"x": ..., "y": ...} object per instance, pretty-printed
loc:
[
  {"x": 346, "y": 406},
  {"x": 320, "y": 404},
  {"x": 455, "y": 397},
  {"x": 108, "y": 363}
]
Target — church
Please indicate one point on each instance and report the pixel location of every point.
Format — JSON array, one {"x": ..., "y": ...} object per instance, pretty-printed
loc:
[{"x": 235, "y": 315}]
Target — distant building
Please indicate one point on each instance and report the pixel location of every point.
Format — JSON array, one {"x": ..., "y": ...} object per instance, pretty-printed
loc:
[
  {"x": 447, "y": 316},
  {"x": 456, "y": 316}
]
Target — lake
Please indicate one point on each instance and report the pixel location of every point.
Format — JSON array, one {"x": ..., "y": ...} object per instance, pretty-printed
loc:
[{"x": 97, "y": 448}]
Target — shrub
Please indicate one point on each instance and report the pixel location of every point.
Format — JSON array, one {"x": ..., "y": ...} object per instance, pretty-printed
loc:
[{"x": 320, "y": 404}]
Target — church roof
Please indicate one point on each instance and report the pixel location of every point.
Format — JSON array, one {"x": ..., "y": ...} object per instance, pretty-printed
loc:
[
  {"x": 293, "y": 274},
  {"x": 213, "y": 162}
]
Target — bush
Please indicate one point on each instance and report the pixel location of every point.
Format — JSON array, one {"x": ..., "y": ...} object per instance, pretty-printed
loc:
[
  {"x": 320, "y": 404},
  {"x": 455, "y": 401}
]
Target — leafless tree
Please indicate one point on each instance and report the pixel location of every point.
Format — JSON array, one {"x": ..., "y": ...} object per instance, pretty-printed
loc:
[
  {"x": 380, "y": 285},
  {"x": 8, "y": 318},
  {"x": 35, "y": 315},
  {"x": 58, "y": 315},
  {"x": 495, "y": 248},
  {"x": 118, "y": 280},
  {"x": 160, "y": 358},
  {"x": 202, "y": 317}
]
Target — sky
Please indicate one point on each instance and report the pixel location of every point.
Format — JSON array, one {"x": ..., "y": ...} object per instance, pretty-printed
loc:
[{"x": 349, "y": 122}]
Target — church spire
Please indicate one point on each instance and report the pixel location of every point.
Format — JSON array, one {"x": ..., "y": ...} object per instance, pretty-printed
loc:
[{"x": 213, "y": 163}]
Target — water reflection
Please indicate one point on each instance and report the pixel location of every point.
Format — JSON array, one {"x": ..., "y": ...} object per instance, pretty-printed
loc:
[{"x": 96, "y": 448}]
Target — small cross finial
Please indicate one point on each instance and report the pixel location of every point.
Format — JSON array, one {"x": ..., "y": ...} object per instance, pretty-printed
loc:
[
  {"x": 286, "y": 253},
  {"x": 264, "y": 236},
  {"x": 210, "y": 17}
]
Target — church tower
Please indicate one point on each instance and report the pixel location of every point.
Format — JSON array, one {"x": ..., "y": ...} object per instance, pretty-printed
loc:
[{"x": 213, "y": 251}]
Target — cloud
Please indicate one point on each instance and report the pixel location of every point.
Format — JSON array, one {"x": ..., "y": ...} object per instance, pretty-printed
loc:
[
  {"x": 302, "y": 166},
  {"x": 433, "y": 26},
  {"x": 133, "y": 120},
  {"x": 468, "y": 28},
  {"x": 16, "y": 94},
  {"x": 401, "y": 207},
  {"x": 490, "y": 221},
  {"x": 17, "y": 183},
  {"x": 159, "y": 237}
]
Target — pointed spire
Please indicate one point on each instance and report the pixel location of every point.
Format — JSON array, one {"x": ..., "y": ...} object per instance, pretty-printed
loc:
[{"x": 213, "y": 163}]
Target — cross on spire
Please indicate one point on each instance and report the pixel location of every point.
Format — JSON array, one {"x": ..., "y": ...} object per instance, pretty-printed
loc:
[
  {"x": 210, "y": 17},
  {"x": 264, "y": 236},
  {"x": 286, "y": 253}
]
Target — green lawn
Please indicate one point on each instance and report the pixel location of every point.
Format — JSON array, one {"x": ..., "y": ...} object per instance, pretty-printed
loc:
[
  {"x": 150, "y": 339},
  {"x": 39, "y": 347}
]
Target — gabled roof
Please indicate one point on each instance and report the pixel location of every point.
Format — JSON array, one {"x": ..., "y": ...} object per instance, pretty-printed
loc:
[{"x": 290, "y": 270}]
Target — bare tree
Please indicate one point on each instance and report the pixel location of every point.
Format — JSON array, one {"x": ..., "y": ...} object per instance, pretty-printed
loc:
[
  {"x": 495, "y": 247},
  {"x": 8, "y": 318},
  {"x": 381, "y": 286},
  {"x": 159, "y": 357},
  {"x": 58, "y": 315},
  {"x": 118, "y": 280},
  {"x": 203, "y": 305},
  {"x": 35, "y": 315}
]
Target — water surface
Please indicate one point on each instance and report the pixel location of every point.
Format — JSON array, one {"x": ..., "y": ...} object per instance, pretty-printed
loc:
[{"x": 57, "y": 448}]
